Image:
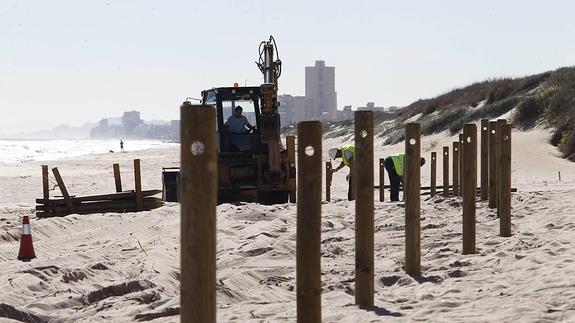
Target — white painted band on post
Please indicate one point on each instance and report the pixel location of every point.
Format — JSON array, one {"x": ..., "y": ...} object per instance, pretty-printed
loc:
[{"x": 26, "y": 229}]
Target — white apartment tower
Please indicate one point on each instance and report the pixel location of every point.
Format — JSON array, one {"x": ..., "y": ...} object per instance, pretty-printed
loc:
[{"x": 320, "y": 95}]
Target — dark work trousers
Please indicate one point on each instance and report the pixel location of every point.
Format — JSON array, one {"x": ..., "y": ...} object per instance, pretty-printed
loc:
[
  {"x": 394, "y": 180},
  {"x": 350, "y": 196}
]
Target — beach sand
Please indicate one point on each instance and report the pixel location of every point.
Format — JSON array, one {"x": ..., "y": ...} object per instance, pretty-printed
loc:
[{"x": 125, "y": 267}]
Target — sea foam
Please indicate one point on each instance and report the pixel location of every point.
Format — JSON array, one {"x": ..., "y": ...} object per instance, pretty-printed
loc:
[{"x": 18, "y": 151}]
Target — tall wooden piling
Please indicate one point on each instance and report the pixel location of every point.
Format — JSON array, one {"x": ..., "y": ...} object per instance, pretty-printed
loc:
[
  {"x": 461, "y": 162},
  {"x": 493, "y": 135},
  {"x": 504, "y": 199},
  {"x": 412, "y": 187},
  {"x": 138, "y": 185},
  {"x": 455, "y": 153},
  {"x": 308, "y": 254},
  {"x": 433, "y": 173},
  {"x": 117, "y": 178},
  {"x": 363, "y": 176},
  {"x": 446, "y": 171},
  {"x": 500, "y": 122},
  {"x": 484, "y": 159},
  {"x": 290, "y": 143},
  {"x": 328, "y": 179},
  {"x": 469, "y": 187},
  {"x": 45, "y": 183},
  {"x": 382, "y": 179},
  {"x": 198, "y": 223}
]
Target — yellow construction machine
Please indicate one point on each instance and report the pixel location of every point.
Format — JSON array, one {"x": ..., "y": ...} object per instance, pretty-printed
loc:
[{"x": 254, "y": 165}]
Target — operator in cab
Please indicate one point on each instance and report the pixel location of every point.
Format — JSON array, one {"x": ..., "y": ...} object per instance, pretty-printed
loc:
[{"x": 237, "y": 123}]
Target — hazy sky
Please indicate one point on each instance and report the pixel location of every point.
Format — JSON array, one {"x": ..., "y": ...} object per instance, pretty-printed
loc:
[{"x": 68, "y": 62}]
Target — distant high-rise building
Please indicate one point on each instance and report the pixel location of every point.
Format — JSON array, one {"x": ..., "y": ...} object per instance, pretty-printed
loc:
[
  {"x": 131, "y": 120},
  {"x": 321, "y": 98},
  {"x": 292, "y": 109}
]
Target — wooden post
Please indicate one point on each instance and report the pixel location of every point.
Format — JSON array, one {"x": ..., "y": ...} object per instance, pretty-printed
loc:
[
  {"x": 559, "y": 173},
  {"x": 492, "y": 164},
  {"x": 45, "y": 184},
  {"x": 290, "y": 143},
  {"x": 461, "y": 162},
  {"x": 469, "y": 187},
  {"x": 363, "y": 176},
  {"x": 199, "y": 173},
  {"x": 446, "y": 171},
  {"x": 328, "y": 179},
  {"x": 308, "y": 245},
  {"x": 138, "y": 185},
  {"x": 382, "y": 179},
  {"x": 117, "y": 178},
  {"x": 455, "y": 153},
  {"x": 63, "y": 189},
  {"x": 412, "y": 186},
  {"x": 484, "y": 159},
  {"x": 497, "y": 168},
  {"x": 433, "y": 173},
  {"x": 504, "y": 200},
  {"x": 402, "y": 185}
]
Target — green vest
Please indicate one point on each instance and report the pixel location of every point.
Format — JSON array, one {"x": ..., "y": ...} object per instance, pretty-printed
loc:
[
  {"x": 398, "y": 161},
  {"x": 344, "y": 149}
]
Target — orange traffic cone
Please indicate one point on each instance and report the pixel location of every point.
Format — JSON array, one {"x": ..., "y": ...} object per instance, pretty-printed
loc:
[{"x": 26, "y": 252}]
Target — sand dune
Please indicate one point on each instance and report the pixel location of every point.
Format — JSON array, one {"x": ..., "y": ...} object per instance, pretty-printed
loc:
[{"x": 125, "y": 267}]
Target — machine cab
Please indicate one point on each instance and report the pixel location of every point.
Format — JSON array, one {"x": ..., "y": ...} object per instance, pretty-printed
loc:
[{"x": 236, "y": 133}]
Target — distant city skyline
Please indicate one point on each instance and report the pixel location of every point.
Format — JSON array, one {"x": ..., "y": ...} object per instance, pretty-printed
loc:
[{"x": 71, "y": 62}]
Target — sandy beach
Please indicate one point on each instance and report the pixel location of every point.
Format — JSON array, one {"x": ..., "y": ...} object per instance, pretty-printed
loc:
[{"x": 125, "y": 267}]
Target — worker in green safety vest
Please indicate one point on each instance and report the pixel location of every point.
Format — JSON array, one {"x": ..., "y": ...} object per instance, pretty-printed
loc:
[
  {"x": 347, "y": 154},
  {"x": 394, "y": 166}
]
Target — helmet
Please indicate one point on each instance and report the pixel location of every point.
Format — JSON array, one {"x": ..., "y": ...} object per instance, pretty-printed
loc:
[{"x": 332, "y": 152}]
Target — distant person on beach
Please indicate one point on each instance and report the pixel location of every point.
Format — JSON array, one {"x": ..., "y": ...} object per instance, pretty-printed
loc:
[
  {"x": 394, "y": 167},
  {"x": 122, "y": 146},
  {"x": 237, "y": 123},
  {"x": 347, "y": 154}
]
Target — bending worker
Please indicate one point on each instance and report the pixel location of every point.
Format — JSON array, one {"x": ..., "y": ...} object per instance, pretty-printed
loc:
[
  {"x": 394, "y": 167},
  {"x": 347, "y": 154}
]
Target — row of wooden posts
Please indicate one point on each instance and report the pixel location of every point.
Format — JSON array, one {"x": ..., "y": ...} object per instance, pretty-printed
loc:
[
  {"x": 198, "y": 223},
  {"x": 491, "y": 167}
]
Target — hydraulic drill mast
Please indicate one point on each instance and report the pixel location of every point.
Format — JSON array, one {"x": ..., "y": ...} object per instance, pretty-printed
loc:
[{"x": 271, "y": 70}]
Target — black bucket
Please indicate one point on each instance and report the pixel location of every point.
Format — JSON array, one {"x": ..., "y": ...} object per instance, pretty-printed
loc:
[{"x": 171, "y": 184}]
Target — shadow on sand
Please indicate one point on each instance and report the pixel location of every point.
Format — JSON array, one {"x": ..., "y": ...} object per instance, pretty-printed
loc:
[
  {"x": 427, "y": 279},
  {"x": 380, "y": 311}
]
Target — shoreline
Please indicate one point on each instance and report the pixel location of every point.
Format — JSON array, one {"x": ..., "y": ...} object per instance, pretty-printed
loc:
[
  {"x": 28, "y": 163},
  {"x": 67, "y": 149}
]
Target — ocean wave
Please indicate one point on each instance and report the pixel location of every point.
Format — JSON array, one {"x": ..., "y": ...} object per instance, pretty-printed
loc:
[{"x": 19, "y": 151}]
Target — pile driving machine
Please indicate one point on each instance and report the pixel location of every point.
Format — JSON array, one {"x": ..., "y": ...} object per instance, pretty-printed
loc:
[{"x": 253, "y": 166}]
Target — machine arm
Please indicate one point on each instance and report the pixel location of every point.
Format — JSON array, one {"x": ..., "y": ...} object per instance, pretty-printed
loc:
[
  {"x": 270, "y": 118},
  {"x": 272, "y": 69}
]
